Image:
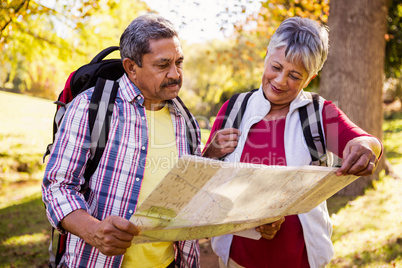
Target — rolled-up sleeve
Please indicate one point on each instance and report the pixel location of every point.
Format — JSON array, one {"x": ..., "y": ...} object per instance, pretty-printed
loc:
[
  {"x": 66, "y": 166},
  {"x": 339, "y": 129}
]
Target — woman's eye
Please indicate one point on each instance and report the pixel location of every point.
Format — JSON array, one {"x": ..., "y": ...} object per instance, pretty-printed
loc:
[
  {"x": 294, "y": 77},
  {"x": 276, "y": 68}
]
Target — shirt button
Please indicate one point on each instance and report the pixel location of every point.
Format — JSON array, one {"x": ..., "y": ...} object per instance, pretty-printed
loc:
[
  {"x": 143, "y": 148},
  {"x": 130, "y": 211},
  {"x": 143, "y": 118},
  {"x": 139, "y": 97},
  {"x": 137, "y": 179}
]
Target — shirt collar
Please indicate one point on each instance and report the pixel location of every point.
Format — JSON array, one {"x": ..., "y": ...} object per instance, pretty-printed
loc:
[{"x": 129, "y": 91}]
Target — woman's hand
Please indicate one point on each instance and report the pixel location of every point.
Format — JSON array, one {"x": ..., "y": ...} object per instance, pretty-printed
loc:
[
  {"x": 223, "y": 143},
  {"x": 268, "y": 231},
  {"x": 360, "y": 157}
]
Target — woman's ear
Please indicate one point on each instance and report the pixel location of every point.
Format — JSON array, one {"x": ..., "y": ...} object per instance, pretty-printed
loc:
[
  {"x": 308, "y": 82},
  {"x": 130, "y": 68}
]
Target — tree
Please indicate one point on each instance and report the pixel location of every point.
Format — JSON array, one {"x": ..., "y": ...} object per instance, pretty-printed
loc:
[
  {"x": 217, "y": 70},
  {"x": 18, "y": 15},
  {"x": 353, "y": 75},
  {"x": 41, "y": 37}
]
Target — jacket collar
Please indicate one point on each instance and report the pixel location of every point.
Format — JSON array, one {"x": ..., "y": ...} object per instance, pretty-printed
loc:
[{"x": 262, "y": 106}]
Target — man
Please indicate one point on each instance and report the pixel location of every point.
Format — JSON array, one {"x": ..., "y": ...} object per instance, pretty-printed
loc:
[{"x": 147, "y": 134}]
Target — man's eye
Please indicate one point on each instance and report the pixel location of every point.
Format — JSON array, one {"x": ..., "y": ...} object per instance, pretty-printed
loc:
[{"x": 163, "y": 66}]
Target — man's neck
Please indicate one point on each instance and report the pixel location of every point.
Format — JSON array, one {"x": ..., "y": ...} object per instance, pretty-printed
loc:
[{"x": 154, "y": 105}]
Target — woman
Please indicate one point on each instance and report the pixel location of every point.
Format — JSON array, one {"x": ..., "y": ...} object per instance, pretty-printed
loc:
[{"x": 271, "y": 134}]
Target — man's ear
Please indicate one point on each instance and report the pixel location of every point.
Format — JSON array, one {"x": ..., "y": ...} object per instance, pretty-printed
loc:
[{"x": 130, "y": 67}]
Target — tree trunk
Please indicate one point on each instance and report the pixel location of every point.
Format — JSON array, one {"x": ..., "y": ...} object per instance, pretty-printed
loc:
[{"x": 353, "y": 75}]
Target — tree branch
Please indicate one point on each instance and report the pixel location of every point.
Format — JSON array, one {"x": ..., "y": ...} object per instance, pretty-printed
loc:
[{"x": 16, "y": 10}]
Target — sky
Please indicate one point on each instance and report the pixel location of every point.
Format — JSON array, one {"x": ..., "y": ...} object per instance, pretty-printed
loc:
[{"x": 201, "y": 20}]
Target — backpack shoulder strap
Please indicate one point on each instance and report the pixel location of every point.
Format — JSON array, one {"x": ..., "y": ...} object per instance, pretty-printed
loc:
[
  {"x": 235, "y": 110},
  {"x": 310, "y": 119},
  {"x": 100, "y": 113},
  {"x": 191, "y": 125},
  {"x": 99, "y": 116}
]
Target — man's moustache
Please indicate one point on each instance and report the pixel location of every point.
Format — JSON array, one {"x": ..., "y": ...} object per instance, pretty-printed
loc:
[{"x": 171, "y": 82}]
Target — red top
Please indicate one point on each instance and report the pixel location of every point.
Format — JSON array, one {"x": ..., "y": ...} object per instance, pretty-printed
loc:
[{"x": 265, "y": 145}]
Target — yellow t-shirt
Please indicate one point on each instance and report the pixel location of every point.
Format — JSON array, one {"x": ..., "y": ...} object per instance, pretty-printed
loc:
[{"x": 161, "y": 157}]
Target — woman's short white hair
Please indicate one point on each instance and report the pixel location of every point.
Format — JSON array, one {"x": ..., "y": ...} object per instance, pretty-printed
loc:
[{"x": 305, "y": 40}]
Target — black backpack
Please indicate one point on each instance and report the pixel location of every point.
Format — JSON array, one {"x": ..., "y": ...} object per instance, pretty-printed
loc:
[
  {"x": 310, "y": 124},
  {"x": 101, "y": 74}
]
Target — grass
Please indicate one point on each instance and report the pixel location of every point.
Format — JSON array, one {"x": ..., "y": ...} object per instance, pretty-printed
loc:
[
  {"x": 26, "y": 129},
  {"x": 393, "y": 141},
  {"x": 25, "y": 233},
  {"x": 367, "y": 229}
]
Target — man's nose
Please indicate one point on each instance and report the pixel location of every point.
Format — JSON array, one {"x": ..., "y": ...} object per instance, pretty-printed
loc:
[{"x": 173, "y": 72}]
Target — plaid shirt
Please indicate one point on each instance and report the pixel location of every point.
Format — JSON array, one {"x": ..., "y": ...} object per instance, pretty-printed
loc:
[{"x": 115, "y": 185}]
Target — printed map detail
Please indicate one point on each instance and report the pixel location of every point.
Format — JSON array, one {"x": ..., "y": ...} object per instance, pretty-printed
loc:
[{"x": 201, "y": 198}]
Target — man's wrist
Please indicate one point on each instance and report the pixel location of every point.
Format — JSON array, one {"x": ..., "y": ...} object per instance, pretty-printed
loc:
[{"x": 81, "y": 224}]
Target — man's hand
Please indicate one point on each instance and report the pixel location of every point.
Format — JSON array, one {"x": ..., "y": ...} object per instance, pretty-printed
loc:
[
  {"x": 112, "y": 236},
  {"x": 268, "y": 231},
  {"x": 360, "y": 157},
  {"x": 223, "y": 143}
]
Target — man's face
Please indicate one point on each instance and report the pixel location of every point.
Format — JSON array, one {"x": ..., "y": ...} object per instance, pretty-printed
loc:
[{"x": 160, "y": 77}]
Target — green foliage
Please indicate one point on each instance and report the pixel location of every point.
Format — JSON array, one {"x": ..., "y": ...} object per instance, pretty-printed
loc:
[
  {"x": 216, "y": 71},
  {"x": 39, "y": 38},
  {"x": 393, "y": 51},
  {"x": 26, "y": 36}
]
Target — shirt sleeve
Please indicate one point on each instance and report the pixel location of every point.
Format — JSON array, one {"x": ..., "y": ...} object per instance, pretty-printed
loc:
[
  {"x": 338, "y": 128},
  {"x": 187, "y": 253},
  {"x": 66, "y": 166}
]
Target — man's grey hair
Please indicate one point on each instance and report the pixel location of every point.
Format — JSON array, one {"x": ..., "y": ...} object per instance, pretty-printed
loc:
[
  {"x": 305, "y": 40},
  {"x": 134, "y": 42}
]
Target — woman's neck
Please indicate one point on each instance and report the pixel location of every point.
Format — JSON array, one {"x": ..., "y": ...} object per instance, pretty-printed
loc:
[{"x": 277, "y": 111}]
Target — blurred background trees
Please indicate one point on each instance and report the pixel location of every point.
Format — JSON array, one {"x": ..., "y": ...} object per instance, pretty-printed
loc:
[{"x": 41, "y": 42}]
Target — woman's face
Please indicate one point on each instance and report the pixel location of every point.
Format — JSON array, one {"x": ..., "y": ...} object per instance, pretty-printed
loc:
[{"x": 283, "y": 80}]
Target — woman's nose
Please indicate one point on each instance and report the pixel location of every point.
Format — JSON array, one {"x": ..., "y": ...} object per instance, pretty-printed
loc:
[{"x": 280, "y": 79}]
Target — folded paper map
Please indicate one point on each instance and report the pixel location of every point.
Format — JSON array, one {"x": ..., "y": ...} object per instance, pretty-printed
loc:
[{"x": 202, "y": 198}]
